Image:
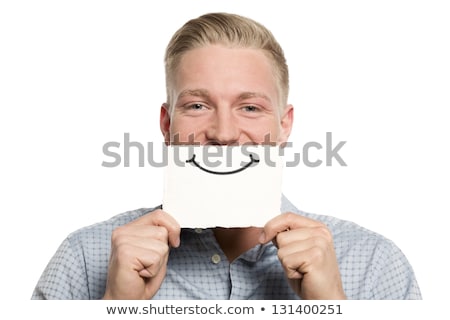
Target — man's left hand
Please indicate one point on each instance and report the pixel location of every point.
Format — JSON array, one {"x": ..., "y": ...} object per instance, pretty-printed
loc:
[{"x": 306, "y": 251}]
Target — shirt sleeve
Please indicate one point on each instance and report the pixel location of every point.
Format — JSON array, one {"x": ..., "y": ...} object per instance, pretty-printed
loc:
[
  {"x": 64, "y": 277},
  {"x": 393, "y": 276}
]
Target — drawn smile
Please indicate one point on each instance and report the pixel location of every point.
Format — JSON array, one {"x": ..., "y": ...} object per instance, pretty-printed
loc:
[{"x": 192, "y": 160}]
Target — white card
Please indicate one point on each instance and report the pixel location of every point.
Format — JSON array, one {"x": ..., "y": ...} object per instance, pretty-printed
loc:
[{"x": 223, "y": 186}]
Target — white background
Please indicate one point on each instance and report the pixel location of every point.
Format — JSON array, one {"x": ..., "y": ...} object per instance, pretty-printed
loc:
[{"x": 75, "y": 75}]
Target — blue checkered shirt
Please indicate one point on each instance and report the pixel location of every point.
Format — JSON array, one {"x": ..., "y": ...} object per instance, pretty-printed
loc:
[{"x": 371, "y": 266}]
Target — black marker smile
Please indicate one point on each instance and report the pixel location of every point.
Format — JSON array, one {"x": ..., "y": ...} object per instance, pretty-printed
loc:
[{"x": 192, "y": 160}]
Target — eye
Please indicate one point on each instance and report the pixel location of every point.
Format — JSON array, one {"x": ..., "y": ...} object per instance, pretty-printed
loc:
[
  {"x": 250, "y": 108},
  {"x": 196, "y": 106},
  {"x": 194, "y": 109}
]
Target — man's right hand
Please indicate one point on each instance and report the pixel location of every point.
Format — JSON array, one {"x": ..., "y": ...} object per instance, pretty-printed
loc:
[{"x": 139, "y": 255}]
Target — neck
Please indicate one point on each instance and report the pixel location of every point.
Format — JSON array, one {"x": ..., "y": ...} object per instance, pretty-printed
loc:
[{"x": 236, "y": 241}]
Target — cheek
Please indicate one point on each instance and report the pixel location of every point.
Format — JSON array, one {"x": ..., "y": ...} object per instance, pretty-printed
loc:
[
  {"x": 263, "y": 131},
  {"x": 184, "y": 131}
]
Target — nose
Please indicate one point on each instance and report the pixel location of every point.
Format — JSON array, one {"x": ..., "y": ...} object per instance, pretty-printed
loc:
[{"x": 223, "y": 129}]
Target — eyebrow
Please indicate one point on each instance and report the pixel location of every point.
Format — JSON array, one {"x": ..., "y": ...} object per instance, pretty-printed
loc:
[
  {"x": 195, "y": 92},
  {"x": 248, "y": 95},
  {"x": 205, "y": 94}
]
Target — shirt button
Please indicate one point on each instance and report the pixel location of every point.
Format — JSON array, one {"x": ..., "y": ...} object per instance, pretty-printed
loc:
[{"x": 215, "y": 258}]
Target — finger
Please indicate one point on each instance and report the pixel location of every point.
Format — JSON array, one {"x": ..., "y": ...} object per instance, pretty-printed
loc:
[
  {"x": 149, "y": 273},
  {"x": 301, "y": 246},
  {"x": 283, "y": 222},
  {"x": 293, "y": 267},
  {"x": 148, "y": 266},
  {"x": 157, "y": 217},
  {"x": 142, "y": 242},
  {"x": 162, "y": 219},
  {"x": 130, "y": 234},
  {"x": 294, "y": 235},
  {"x": 152, "y": 271},
  {"x": 140, "y": 259},
  {"x": 302, "y": 262}
]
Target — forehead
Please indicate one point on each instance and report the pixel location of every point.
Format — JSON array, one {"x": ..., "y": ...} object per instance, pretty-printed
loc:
[{"x": 218, "y": 68}]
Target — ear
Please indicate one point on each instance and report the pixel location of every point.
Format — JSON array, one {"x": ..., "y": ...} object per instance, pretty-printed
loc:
[
  {"x": 164, "y": 122},
  {"x": 286, "y": 122}
]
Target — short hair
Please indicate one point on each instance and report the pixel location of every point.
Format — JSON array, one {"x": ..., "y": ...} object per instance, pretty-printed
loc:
[{"x": 230, "y": 30}]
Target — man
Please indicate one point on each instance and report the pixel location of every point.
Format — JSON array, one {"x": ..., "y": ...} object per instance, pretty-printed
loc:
[{"x": 227, "y": 84}]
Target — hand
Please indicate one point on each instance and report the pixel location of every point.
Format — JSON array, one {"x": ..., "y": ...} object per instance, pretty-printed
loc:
[
  {"x": 139, "y": 255},
  {"x": 306, "y": 251}
]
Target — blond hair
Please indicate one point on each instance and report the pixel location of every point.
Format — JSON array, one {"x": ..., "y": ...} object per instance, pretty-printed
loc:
[{"x": 230, "y": 30}]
